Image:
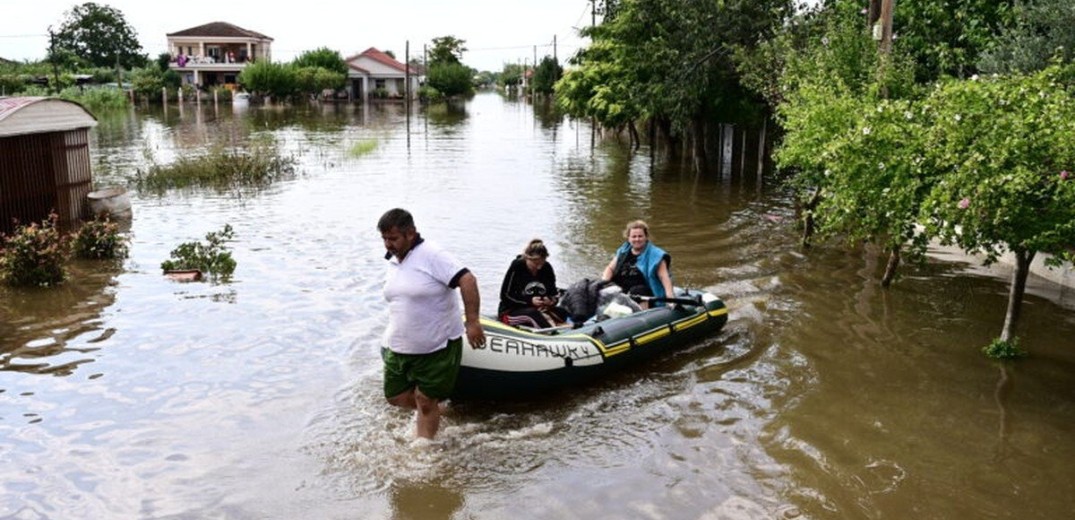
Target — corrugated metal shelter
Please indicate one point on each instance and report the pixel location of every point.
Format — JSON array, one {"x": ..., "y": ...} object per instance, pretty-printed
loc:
[{"x": 44, "y": 159}]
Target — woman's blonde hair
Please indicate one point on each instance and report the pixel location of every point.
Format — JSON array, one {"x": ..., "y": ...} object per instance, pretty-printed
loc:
[
  {"x": 536, "y": 249},
  {"x": 636, "y": 224}
]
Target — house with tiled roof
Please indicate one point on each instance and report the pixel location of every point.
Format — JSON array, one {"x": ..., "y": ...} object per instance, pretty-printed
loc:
[
  {"x": 215, "y": 53},
  {"x": 375, "y": 74}
]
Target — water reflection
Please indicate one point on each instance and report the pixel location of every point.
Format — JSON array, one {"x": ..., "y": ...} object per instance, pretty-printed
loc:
[
  {"x": 824, "y": 397},
  {"x": 54, "y": 330}
]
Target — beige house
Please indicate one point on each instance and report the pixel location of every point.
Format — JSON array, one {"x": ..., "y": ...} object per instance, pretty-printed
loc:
[
  {"x": 374, "y": 74},
  {"x": 215, "y": 53}
]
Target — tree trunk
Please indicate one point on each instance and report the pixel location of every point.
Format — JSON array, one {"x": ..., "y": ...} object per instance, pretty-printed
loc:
[
  {"x": 1015, "y": 296},
  {"x": 700, "y": 162},
  {"x": 890, "y": 269},
  {"x": 652, "y": 141},
  {"x": 635, "y": 141},
  {"x": 808, "y": 218}
]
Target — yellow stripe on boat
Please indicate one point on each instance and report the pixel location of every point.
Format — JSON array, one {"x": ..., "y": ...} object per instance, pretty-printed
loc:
[
  {"x": 616, "y": 348},
  {"x": 652, "y": 336},
  {"x": 690, "y": 322},
  {"x": 719, "y": 312}
]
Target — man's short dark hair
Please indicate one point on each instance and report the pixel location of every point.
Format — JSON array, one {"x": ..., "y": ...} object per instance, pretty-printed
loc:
[{"x": 397, "y": 218}]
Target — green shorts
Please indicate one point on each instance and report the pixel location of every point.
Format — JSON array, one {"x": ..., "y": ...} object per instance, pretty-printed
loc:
[{"x": 433, "y": 374}]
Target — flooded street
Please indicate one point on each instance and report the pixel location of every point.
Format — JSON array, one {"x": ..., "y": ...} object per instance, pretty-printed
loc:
[{"x": 126, "y": 395}]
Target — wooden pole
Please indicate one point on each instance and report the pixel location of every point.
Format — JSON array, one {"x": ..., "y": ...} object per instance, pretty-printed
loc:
[{"x": 887, "y": 7}]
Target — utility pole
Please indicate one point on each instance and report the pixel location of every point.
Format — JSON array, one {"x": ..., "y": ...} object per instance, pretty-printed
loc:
[
  {"x": 887, "y": 8},
  {"x": 593, "y": 119}
]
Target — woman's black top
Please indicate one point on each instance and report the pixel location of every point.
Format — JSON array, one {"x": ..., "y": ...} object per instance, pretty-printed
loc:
[
  {"x": 629, "y": 277},
  {"x": 520, "y": 286}
]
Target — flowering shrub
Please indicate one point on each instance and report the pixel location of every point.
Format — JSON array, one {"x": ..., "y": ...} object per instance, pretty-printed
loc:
[
  {"x": 34, "y": 254},
  {"x": 212, "y": 258},
  {"x": 99, "y": 239}
]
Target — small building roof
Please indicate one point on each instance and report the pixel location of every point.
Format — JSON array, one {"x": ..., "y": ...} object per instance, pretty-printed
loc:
[
  {"x": 381, "y": 57},
  {"x": 219, "y": 30},
  {"x": 36, "y": 115}
]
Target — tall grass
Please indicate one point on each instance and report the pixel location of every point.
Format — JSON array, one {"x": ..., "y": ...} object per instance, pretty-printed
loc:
[
  {"x": 363, "y": 147},
  {"x": 220, "y": 168}
]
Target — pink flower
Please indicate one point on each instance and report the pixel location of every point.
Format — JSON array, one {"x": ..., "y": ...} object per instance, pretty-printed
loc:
[
  {"x": 965, "y": 203},
  {"x": 1064, "y": 174}
]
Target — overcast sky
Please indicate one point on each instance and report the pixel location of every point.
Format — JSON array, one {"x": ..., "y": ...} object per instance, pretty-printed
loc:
[{"x": 496, "y": 31}]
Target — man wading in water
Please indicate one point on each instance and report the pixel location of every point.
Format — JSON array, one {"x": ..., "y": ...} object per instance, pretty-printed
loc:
[{"x": 423, "y": 343}]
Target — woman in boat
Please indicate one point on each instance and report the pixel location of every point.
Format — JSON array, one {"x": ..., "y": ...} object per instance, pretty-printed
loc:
[
  {"x": 639, "y": 267},
  {"x": 528, "y": 295}
]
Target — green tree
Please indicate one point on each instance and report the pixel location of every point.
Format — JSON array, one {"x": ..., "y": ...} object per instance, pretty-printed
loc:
[
  {"x": 511, "y": 75},
  {"x": 314, "y": 80},
  {"x": 446, "y": 50},
  {"x": 546, "y": 75},
  {"x": 672, "y": 59},
  {"x": 1004, "y": 149},
  {"x": 101, "y": 36},
  {"x": 832, "y": 74},
  {"x": 1041, "y": 32},
  {"x": 323, "y": 57},
  {"x": 946, "y": 37},
  {"x": 451, "y": 79},
  {"x": 266, "y": 78}
]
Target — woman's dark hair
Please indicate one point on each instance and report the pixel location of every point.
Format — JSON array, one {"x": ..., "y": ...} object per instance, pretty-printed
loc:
[{"x": 536, "y": 249}]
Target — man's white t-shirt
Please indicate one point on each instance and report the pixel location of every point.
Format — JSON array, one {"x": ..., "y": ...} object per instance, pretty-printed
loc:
[{"x": 423, "y": 306}]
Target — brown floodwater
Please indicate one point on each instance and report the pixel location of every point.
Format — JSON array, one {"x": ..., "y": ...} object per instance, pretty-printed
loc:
[{"x": 126, "y": 395}]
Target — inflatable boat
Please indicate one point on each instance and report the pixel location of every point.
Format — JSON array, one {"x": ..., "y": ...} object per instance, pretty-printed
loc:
[{"x": 516, "y": 363}]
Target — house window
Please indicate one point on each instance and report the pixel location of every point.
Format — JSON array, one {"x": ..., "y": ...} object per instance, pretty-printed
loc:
[
  {"x": 213, "y": 51},
  {"x": 379, "y": 83}
]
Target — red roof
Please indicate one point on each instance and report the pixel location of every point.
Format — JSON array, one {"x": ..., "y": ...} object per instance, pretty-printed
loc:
[{"x": 376, "y": 55}]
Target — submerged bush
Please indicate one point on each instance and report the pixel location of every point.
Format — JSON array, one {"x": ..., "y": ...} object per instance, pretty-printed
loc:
[
  {"x": 363, "y": 147},
  {"x": 221, "y": 168},
  {"x": 99, "y": 239},
  {"x": 34, "y": 254},
  {"x": 212, "y": 257},
  {"x": 1001, "y": 350}
]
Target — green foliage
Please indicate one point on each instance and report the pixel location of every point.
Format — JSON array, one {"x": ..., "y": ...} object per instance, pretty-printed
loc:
[
  {"x": 429, "y": 93},
  {"x": 212, "y": 257},
  {"x": 1041, "y": 32},
  {"x": 446, "y": 50},
  {"x": 450, "y": 79},
  {"x": 1004, "y": 149},
  {"x": 99, "y": 35},
  {"x": 11, "y": 84},
  {"x": 97, "y": 99},
  {"x": 363, "y": 147},
  {"x": 34, "y": 255},
  {"x": 314, "y": 80},
  {"x": 266, "y": 78},
  {"x": 666, "y": 59},
  {"x": 324, "y": 58},
  {"x": 1004, "y": 350},
  {"x": 164, "y": 61},
  {"x": 546, "y": 75},
  {"x": 99, "y": 239},
  {"x": 257, "y": 165},
  {"x": 147, "y": 82},
  {"x": 946, "y": 37},
  {"x": 511, "y": 75},
  {"x": 875, "y": 178},
  {"x": 596, "y": 88}
]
